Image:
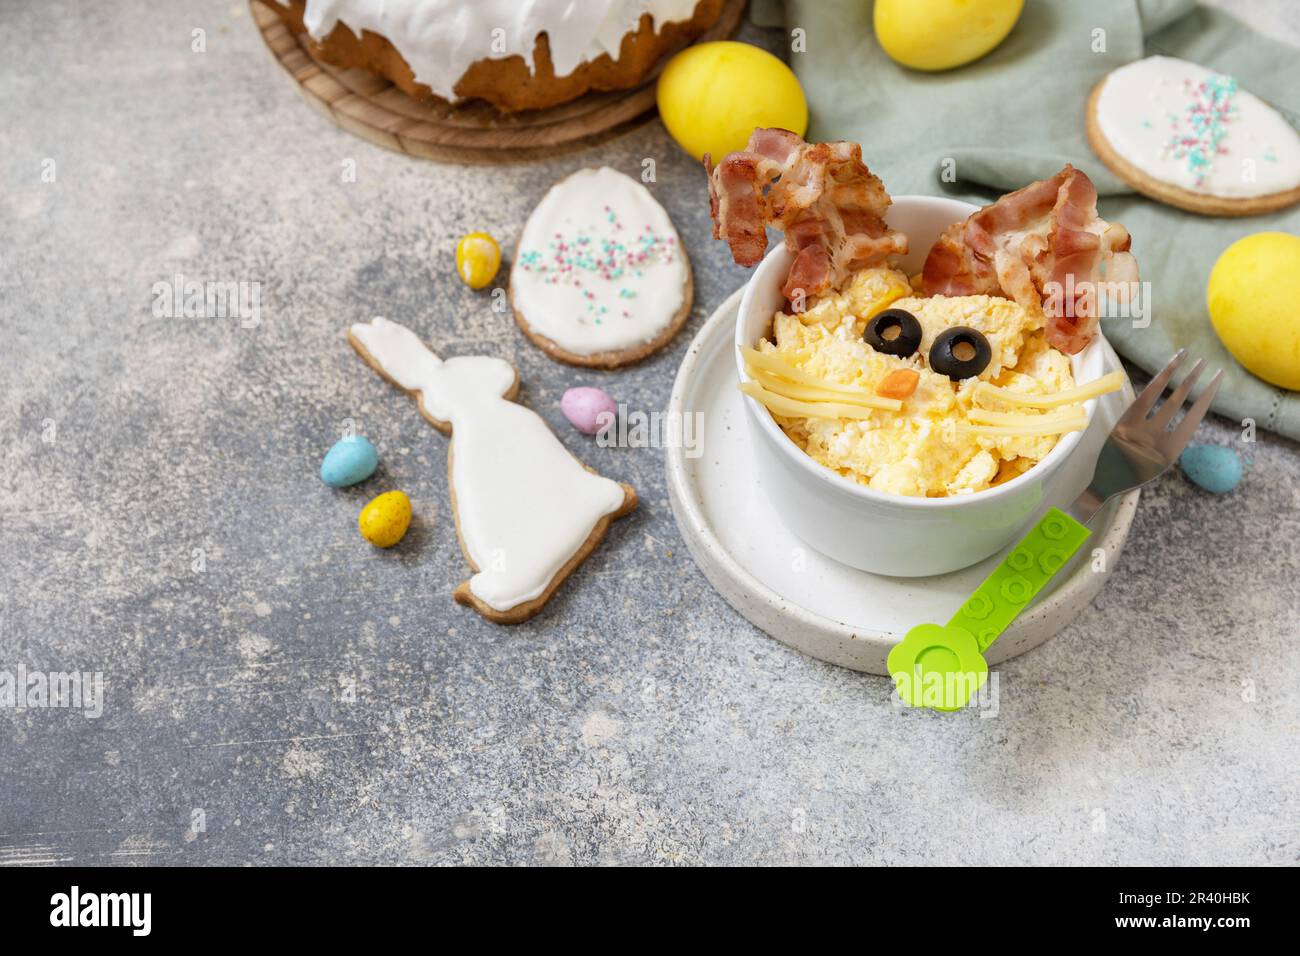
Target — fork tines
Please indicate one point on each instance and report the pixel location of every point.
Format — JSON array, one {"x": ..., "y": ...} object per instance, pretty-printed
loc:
[{"x": 1171, "y": 443}]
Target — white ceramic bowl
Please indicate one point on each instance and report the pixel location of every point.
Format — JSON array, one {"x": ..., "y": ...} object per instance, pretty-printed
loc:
[{"x": 887, "y": 533}]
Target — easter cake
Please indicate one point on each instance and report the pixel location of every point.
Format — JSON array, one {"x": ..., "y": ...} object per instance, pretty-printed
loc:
[
  {"x": 516, "y": 56},
  {"x": 945, "y": 383}
]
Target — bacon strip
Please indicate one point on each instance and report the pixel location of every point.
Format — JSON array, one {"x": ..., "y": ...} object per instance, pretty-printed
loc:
[
  {"x": 1043, "y": 246},
  {"x": 821, "y": 195}
]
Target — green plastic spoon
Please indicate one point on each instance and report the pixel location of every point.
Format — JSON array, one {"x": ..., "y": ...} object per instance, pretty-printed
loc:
[{"x": 942, "y": 666}]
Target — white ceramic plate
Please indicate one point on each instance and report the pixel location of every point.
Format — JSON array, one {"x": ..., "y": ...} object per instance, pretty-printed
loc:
[{"x": 814, "y": 604}]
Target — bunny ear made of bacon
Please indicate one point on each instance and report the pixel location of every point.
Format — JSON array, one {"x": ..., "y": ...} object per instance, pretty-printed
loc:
[
  {"x": 1043, "y": 246},
  {"x": 828, "y": 204}
]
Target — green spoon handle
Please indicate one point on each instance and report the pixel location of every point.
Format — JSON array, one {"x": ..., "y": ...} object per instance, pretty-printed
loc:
[{"x": 1022, "y": 574}]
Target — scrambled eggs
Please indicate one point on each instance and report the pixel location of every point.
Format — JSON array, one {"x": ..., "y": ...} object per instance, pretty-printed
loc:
[{"x": 921, "y": 449}]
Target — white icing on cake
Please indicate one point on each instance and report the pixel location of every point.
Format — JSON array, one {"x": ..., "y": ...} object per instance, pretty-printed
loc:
[
  {"x": 1191, "y": 127},
  {"x": 525, "y": 506},
  {"x": 440, "y": 39},
  {"x": 599, "y": 266}
]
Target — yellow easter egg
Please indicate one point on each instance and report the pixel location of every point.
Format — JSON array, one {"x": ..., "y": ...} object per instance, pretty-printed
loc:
[
  {"x": 478, "y": 257},
  {"x": 942, "y": 34},
  {"x": 385, "y": 519},
  {"x": 1252, "y": 296},
  {"x": 713, "y": 95}
]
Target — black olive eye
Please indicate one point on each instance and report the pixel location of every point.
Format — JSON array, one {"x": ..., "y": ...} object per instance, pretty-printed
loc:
[
  {"x": 894, "y": 332},
  {"x": 960, "y": 353}
]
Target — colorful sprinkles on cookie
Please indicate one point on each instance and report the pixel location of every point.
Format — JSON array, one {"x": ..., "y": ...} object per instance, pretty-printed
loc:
[
  {"x": 1207, "y": 115},
  {"x": 587, "y": 257},
  {"x": 600, "y": 268},
  {"x": 1185, "y": 126}
]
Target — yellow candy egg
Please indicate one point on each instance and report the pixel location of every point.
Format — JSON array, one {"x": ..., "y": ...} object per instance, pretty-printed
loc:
[
  {"x": 1252, "y": 295},
  {"x": 942, "y": 34},
  {"x": 385, "y": 519},
  {"x": 478, "y": 257},
  {"x": 713, "y": 95}
]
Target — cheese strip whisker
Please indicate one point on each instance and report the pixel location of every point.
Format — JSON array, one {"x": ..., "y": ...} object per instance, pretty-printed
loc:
[
  {"x": 1111, "y": 382},
  {"x": 810, "y": 393},
  {"x": 983, "y": 416},
  {"x": 1057, "y": 427},
  {"x": 769, "y": 362},
  {"x": 792, "y": 408}
]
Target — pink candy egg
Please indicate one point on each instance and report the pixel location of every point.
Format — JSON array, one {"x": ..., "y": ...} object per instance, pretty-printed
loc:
[{"x": 583, "y": 407}]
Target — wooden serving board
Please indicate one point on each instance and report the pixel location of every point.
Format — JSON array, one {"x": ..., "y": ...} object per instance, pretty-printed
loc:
[{"x": 372, "y": 108}]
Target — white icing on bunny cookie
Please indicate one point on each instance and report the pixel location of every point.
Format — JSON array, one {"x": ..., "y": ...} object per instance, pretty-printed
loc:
[
  {"x": 1191, "y": 127},
  {"x": 599, "y": 266},
  {"x": 525, "y": 506}
]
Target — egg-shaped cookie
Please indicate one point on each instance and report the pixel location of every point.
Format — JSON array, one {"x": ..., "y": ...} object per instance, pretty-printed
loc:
[
  {"x": 600, "y": 278},
  {"x": 1193, "y": 138}
]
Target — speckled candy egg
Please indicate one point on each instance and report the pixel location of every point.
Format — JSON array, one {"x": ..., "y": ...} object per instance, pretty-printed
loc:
[
  {"x": 352, "y": 459},
  {"x": 1212, "y": 467},
  {"x": 583, "y": 407},
  {"x": 478, "y": 257},
  {"x": 384, "y": 521}
]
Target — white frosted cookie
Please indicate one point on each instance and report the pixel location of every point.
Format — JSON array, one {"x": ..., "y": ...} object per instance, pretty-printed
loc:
[
  {"x": 600, "y": 277},
  {"x": 1194, "y": 138},
  {"x": 527, "y": 512}
]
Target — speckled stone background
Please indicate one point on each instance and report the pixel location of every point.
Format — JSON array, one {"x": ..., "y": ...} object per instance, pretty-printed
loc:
[{"x": 279, "y": 692}]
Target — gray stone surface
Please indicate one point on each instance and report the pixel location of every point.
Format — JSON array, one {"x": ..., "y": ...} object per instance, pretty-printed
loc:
[{"x": 639, "y": 720}]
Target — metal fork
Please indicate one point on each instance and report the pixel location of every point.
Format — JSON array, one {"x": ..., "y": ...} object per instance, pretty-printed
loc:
[{"x": 1141, "y": 448}]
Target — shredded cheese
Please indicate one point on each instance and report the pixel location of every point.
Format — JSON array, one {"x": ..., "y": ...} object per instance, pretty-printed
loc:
[
  {"x": 982, "y": 416},
  {"x": 809, "y": 393},
  {"x": 1046, "y": 426},
  {"x": 1111, "y": 382},
  {"x": 769, "y": 362},
  {"x": 791, "y": 408}
]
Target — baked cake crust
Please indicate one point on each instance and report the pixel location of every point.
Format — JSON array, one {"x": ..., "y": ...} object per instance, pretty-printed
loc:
[{"x": 508, "y": 83}]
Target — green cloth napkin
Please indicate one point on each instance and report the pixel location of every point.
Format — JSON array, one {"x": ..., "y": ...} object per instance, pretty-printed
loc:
[{"x": 1018, "y": 115}]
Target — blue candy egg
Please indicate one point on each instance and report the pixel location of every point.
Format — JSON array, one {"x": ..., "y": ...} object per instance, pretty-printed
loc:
[
  {"x": 1212, "y": 467},
  {"x": 352, "y": 459}
]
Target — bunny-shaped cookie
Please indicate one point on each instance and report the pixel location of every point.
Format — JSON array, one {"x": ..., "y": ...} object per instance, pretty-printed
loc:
[{"x": 527, "y": 511}]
